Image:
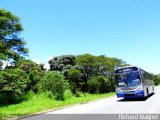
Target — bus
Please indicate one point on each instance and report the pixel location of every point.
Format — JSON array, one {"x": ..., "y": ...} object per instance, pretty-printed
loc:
[{"x": 133, "y": 82}]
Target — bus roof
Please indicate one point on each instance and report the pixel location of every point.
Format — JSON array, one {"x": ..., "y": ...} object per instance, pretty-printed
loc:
[
  {"x": 130, "y": 67},
  {"x": 126, "y": 67}
]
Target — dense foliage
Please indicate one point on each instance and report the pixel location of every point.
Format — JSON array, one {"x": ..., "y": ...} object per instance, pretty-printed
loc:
[
  {"x": 55, "y": 83},
  {"x": 62, "y": 63},
  {"x": 75, "y": 79},
  {"x": 84, "y": 73},
  {"x": 11, "y": 45},
  {"x": 19, "y": 75},
  {"x": 13, "y": 83},
  {"x": 156, "y": 79},
  {"x": 99, "y": 84},
  {"x": 34, "y": 72}
]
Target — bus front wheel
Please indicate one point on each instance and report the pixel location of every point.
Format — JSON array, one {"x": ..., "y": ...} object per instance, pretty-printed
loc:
[
  {"x": 153, "y": 89},
  {"x": 147, "y": 93}
]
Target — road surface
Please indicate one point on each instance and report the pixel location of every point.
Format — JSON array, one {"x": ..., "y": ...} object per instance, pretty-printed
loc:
[{"x": 111, "y": 105}]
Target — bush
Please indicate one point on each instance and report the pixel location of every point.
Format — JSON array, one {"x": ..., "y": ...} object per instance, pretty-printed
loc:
[
  {"x": 28, "y": 95},
  {"x": 34, "y": 78},
  {"x": 12, "y": 85},
  {"x": 84, "y": 87},
  {"x": 104, "y": 84},
  {"x": 55, "y": 83},
  {"x": 93, "y": 85},
  {"x": 34, "y": 71},
  {"x": 78, "y": 94},
  {"x": 156, "y": 79},
  {"x": 74, "y": 76},
  {"x": 68, "y": 93},
  {"x": 99, "y": 84}
]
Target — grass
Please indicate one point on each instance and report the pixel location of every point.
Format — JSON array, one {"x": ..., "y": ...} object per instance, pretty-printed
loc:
[{"x": 41, "y": 102}]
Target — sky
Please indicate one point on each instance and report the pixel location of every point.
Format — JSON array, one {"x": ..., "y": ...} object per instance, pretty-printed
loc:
[{"x": 125, "y": 29}]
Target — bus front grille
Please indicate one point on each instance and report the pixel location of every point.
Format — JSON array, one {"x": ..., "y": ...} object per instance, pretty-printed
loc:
[
  {"x": 128, "y": 94},
  {"x": 128, "y": 88}
]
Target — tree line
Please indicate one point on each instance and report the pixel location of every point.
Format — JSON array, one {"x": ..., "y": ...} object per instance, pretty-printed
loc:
[{"x": 84, "y": 73}]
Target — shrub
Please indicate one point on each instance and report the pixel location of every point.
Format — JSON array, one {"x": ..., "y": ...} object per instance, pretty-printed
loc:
[
  {"x": 68, "y": 93},
  {"x": 93, "y": 85},
  {"x": 156, "y": 79},
  {"x": 34, "y": 71},
  {"x": 74, "y": 76},
  {"x": 104, "y": 84},
  {"x": 34, "y": 78},
  {"x": 12, "y": 85},
  {"x": 78, "y": 94},
  {"x": 55, "y": 83},
  {"x": 99, "y": 84},
  {"x": 84, "y": 87},
  {"x": 28, "y": 95}
]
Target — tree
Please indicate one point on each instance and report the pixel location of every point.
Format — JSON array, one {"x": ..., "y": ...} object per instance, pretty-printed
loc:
[
  {"x": 1, "y": 64},
  {"x": 99, "y": 84},
  {"x": 62, "y": 63},
  {"x": 98, "y": 65},
  {"x": 27, "y": 65},
  {"x": 13, "y": 83},
  {"x": 93, "y": 85},
  {"x": 34, "y": 71},
  {"x": 87, "y": 61},
  {"x": 74, "y": 76},
  {"x": 11, "y": 44},
  {"x": 104, "y": 84},
  {"x": 156, "y": 79},
  {"x": 54, "y": 82}
]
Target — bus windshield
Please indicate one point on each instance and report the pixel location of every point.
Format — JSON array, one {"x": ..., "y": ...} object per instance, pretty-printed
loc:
[{"x": 128, "y": 79}]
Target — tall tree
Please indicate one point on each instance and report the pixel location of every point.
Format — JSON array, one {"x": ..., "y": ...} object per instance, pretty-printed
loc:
[
  {"x": 62, "y": 63},
  {"x": 87, "y": 61},
  {"x": 34, "y": 71},
  {"x": 12, "y": 46},
  {"x": 74, "y": 77},
  {"x": 98, "y": 65}
]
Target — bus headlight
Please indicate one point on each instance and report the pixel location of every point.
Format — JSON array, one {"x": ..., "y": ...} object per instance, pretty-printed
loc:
[
  {"x": 118, "y": 90},
  {"x": 139, "y": 88}
]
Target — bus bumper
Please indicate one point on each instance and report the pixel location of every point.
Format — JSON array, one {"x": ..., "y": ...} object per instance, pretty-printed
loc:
[{"x": 136, "y": 94}]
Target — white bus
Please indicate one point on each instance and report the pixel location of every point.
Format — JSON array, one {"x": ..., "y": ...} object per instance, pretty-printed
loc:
[{"x": 133, "y": 82}]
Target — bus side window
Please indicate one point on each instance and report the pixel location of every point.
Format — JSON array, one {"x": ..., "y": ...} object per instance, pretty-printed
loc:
[
  {"x": 142, "y": 75},
  {"x": 145, "y": 76}
]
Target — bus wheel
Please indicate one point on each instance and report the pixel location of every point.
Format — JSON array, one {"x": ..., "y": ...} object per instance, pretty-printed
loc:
[
  {"x": 147, "y": 93},
  {"x": 153, "y": 89}
]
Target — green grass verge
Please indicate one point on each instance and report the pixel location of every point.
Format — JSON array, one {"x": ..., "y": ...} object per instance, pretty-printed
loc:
[{"x": 41, "y": 102}]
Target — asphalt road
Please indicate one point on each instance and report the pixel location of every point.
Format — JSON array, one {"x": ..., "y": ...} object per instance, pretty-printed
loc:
[{"x": 107, "y": 106}]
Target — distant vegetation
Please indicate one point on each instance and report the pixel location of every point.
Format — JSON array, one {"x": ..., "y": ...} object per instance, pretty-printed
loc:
[
  {"x": 77, "y": 75},
  {"x": 156, "y": 79},
  {"x": 80, "y": 74}
]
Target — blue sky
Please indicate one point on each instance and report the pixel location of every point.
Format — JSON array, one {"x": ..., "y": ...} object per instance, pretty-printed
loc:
[{"x": 126, "y": 29}]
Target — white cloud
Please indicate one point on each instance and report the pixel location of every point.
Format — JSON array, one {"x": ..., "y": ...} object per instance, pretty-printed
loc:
[
  {"x": 46, "y": 65},
  {"x": 36, "y": 60},
  {"x": 5, "y": 63}
]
